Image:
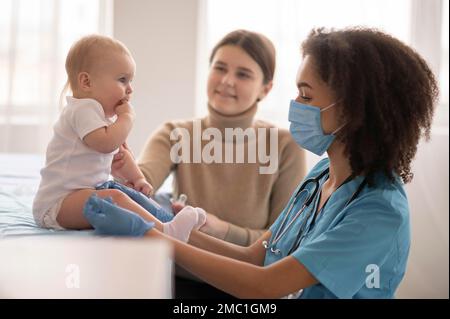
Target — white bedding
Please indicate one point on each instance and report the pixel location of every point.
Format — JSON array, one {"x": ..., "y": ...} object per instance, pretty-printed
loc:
[{"x": 19, "y": 179}]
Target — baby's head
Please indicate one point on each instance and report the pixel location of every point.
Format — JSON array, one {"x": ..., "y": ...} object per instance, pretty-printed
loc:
[{"x": 100, "y": 68}]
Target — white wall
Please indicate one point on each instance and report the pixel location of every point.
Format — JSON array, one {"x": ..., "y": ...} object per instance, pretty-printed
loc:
[
  {"x": 162, "y": 36},
  {"x": 427, "y": 271}
]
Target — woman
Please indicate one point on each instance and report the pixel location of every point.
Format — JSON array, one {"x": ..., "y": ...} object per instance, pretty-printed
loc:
[
  {"x": 366, "y": 99},
  {"x": 241, "y": 202}
]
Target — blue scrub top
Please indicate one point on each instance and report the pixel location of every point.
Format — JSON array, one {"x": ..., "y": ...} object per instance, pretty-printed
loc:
[{"x": 354, "y": 251}]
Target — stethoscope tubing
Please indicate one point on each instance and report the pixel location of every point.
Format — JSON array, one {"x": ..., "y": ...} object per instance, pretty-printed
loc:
[{"x": 282, "y": 229}]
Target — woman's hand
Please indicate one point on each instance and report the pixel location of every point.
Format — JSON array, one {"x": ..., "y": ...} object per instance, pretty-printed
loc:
[
  {"x": 117, "y": 163},
  {"x": 120, "y": 159},
  {"x": 125, "y": 147},
  {"x": 215, "y": 227},
  {"x": 141, "y": 185}
]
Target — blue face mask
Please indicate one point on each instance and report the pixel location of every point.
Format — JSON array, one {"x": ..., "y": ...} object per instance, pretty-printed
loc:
[{"x": 306, "y": 127}]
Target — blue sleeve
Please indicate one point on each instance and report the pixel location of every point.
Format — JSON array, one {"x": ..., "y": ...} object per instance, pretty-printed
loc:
[{"x": 338, "y": 258}]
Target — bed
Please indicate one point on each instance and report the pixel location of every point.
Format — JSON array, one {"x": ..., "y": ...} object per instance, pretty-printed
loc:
[
  {"x": 43, "y": 263},
  {"x": 19, "y": 179}
]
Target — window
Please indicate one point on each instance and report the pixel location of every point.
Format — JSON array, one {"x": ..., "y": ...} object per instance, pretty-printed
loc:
[{"x": 35, "y": 37}]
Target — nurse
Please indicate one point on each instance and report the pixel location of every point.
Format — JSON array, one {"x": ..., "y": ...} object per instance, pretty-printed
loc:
[{"x": 365, "y": 98}]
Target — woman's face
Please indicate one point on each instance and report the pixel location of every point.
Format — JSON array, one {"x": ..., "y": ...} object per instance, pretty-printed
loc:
[
  {"x": 315, "y": 92},
  {"x": 235, "y": 81}
]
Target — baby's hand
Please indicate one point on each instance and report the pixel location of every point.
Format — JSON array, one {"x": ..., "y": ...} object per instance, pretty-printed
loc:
[
  {"x": 141, "y": 185},
  {"x": 124, "y": 108}
]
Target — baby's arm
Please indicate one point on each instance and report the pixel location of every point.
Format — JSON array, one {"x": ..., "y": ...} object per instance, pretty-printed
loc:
[{"x": 107, "y": 139}]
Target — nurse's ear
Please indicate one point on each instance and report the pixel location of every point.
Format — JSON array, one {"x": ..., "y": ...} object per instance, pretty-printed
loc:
[{"x": 265, "y": 90}]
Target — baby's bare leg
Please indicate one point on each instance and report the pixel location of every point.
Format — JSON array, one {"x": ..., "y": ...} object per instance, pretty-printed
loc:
[
  {"x": 70, "y": 213},
  {"x": 71, "y": 216}
]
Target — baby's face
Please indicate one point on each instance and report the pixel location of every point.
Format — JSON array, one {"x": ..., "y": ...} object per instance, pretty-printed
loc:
[{"x": 111, "y": 82}]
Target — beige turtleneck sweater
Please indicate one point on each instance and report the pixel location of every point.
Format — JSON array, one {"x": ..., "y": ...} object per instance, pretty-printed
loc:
[{"x": 235, "y": 192}]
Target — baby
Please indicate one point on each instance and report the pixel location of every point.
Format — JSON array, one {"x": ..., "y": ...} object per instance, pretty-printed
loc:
[{"x": 91, "y": 128}]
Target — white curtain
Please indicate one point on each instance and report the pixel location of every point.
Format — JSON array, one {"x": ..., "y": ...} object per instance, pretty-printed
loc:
[{"x": 34, "y": 39}]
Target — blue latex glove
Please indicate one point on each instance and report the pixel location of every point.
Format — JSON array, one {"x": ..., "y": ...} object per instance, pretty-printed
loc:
[
  {"x": 109, "y": 219},
  {"x": 149, "y": 204}
]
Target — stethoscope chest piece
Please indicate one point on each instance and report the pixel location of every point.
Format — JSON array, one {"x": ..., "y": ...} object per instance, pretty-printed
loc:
[{"x": 275, "y": 251}]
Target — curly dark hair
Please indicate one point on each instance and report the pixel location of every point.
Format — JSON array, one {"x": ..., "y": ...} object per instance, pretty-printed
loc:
[{"x": 387, "y": 93}]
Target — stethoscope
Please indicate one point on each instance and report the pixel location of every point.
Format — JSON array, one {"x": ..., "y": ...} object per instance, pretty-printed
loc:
[{"x": 283, "y": 228}]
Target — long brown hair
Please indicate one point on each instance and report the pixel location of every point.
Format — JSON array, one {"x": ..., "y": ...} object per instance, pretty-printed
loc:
[{"x": 256, "y": 45}]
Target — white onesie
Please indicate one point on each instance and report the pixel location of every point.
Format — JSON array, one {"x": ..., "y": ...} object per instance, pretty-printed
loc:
[{"x": 70, "y": 164}]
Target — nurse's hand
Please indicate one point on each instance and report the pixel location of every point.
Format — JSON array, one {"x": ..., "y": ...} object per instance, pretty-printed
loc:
[
  {"x": 214, "y": 226},
  {"x": 110, "y": 219}
]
